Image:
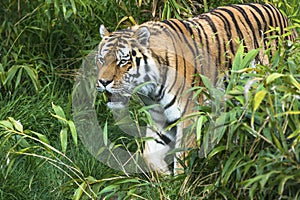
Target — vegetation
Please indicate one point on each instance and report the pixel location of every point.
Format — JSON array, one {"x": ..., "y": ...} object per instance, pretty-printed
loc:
[{"x": 257, "y": 150}]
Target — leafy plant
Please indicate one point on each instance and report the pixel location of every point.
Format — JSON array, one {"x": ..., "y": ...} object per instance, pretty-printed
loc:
[{"x": 255, "y": 134}]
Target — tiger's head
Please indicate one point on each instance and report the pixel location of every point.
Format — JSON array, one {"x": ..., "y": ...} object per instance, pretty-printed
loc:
[{"x": 123, "y": 63}]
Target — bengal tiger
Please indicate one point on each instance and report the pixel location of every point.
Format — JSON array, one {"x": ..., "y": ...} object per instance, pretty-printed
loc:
[{"x": 167, "y": 55}]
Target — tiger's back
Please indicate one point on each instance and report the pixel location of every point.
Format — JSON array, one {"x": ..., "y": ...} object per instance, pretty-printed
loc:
[
  {"x": 213, "y": 37},
  {"x": 168, "y": 54}
]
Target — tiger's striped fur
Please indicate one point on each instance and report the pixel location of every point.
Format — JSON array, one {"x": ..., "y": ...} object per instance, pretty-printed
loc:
[{"x": 168, "y": 54}]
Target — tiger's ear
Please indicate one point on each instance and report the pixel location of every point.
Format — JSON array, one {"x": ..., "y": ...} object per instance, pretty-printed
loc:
[
  {"x": 103, "y": 31},
  {"x": 142, "y": 35}
]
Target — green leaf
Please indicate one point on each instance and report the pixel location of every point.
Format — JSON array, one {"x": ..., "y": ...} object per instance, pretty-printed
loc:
[
  {"x": 60, "y": 113},
  {"x": 220, "y": 127},
  {"x": 273, "y": 77},
  {"x": 262, "y": 179},
  {"x": 236, "y": 65},
  {"x": 73, "y": 132},
  {"x": 282, "y": 183},
  {"x": 18, "y": 126},
  {"x": 294, "y": 82},
  {"x": 74, "y": 7},
  {"x": 202, "y": 119},
  {"x": 105, "y": 134},
  {"x": 33, "y": 75},
  {"x": 258, "y": 98},
  {"x": 109, "y": 188},
  {"x": 11, "y": 74},
  {"x": 18, "y": 79},
  {"x": 79, "y": 191},
  {"x": 64, "y": 139},
  {"x": 41, "y": 137},
  {"x": 207, "y": 83},
  {"x": 249, "y": 57},
  {"x": 6, "y": 124},
  {"x": 297, "y": 112},
  {"x": 277, "y": 142},
  {"x": 229, "y": 162},
  {"x": 293, "y": 134},
  {"x": 216, "y": 151},
  {"x": 22, "y": 141}
]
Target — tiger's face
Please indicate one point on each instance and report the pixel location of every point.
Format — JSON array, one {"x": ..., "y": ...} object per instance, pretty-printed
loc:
[{"x": 123, "y": 63}]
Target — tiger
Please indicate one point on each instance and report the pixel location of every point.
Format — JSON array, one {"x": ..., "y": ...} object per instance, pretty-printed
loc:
[{"x": 168, "y": 55}]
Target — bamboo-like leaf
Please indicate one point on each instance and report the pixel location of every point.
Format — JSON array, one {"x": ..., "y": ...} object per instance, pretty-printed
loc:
[
  {"x": 23, "y": 142},
  {"x": 277, "y": 142},
  {"x": 229, "y": 161},
  {"x": 105, "y": 134},
  {"x": 64, "y": 8},
  {"x": 74, "y": 7},
  {"x": 121, "y": 21},
  {"x": 258, "y": 98},
  {"x": 33, "y": 75},
  {"x": 293, "y": 134},
  {"x": 18, "y": 78},
  {"x": 202, "y": 119},
  {"x": 216, "y": 151},
  {"x": 79, "y": 191},
  {"x": 294, "y": 82},
  {"x": 249, "y": 57},
  {"x": 207, "y": 83},
  {"x": 6, "y": 124},
  {"x": 262, "y": 179},
  {"x": 282, "y": 183},
  {"x": 73, "y": 132},
  {"x": 42, "y": 137},
  {"x": 18, "y": 126},
  {"x": 273, "y": 77},
  {"x": 64, "y": 139},
  {"x": 238, "y": 58},
  {"x": 11, "y": 74},
  {"x": 110, "y": 188},
  {"x": 60, "y": 113},
  {"x": 132, "y": 20}
]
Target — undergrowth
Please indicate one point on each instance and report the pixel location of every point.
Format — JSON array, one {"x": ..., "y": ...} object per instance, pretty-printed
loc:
[{"x": 256, "y": 143}]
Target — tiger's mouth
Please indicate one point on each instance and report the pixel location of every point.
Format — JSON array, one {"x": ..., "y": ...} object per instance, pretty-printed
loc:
[{"x": 117, "y": 100}]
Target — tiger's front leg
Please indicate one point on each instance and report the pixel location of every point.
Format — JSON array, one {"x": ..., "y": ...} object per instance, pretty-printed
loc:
[
  {"x": 159, "y": 142},
  {"x": 156, "y": 150}
]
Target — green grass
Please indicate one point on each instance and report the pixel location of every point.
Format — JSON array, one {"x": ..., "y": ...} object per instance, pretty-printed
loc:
[{"x": 257, "y": 155}]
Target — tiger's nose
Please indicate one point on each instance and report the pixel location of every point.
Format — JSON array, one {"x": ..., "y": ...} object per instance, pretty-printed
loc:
[{"x": 104, "y": 82}]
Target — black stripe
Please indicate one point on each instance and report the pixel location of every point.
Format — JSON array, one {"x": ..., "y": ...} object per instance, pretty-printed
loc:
[
  {"x": 109, "y": 44},
  {"x": 166, "y": 64},
  {"x": 273, "y": 15},
  {"x": 194, "y": 50},
  {"x": 145, "y": 59},
  {"x": 187, "y": 26},
  {"x": 271, "y": 23},
  {"x": 236, "y": 24},
  {"x": 171, "y": 25},
  {"x": 168, "y": 105},
  {"x": 282, "y": 21},
  {"x": 250, "y": 24},
  {"x": 216, "y": 34},
  {"x": 176, "y": 55},
  {"x": 197, "y": 58},
  {"x": 257, "y": 21},
  {"x": 227, "y": 28},
  {"x": 265, "y": 24},
  {"x": 138, "y": 61},
  {"x": 262, "y": 16},
  {"x": 206, "y": 45},
  {"x": 164, "y": 138}
]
